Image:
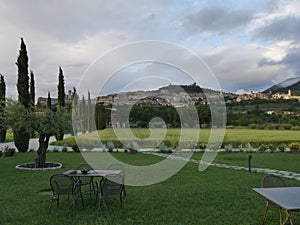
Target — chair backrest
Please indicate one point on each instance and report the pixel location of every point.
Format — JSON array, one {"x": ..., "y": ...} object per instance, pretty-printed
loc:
[
  {"x": 112, "y": 184},
  {"x": 117, "y": 166},
  {"x": 272, "y": 181},
  {"x": 62, "y": 184}
]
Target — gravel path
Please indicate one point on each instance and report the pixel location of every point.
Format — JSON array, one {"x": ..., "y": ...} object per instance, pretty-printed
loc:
[{"x": 286, "y": 174}]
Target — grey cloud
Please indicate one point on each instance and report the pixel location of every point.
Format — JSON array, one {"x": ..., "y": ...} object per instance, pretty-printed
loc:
[
  {"x": 216, "y": 19},
  {"x": 287, "y": 28},
  {"x": 74, "y": 20},
  {"x": 290, "y": 61}
]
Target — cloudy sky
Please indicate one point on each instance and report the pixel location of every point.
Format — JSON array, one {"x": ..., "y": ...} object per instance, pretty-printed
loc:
[{"x": 248, "y": 45}]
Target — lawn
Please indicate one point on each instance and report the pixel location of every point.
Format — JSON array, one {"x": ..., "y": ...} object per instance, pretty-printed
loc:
[
  {"x": 215, "y": 196},
  {"x": 232, "y": 136}
]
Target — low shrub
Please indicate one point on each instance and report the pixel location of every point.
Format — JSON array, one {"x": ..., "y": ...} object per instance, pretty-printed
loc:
[
  {"x": 7, "y": 152},
  {"x": 201, "y": 145},
  {"x": 295, "y": 128},
  {"x": 263, "y": 147},
  {"x": 110, "y": 146},
  {"x": 75, "y": 148},
  {"x": 163, "y": 148},
  {"x": 281, "y": 147},
  {"x": 65, "y": 148},
  {"x": 271, "y": 147},
  {"x": 228, "y": 148}
]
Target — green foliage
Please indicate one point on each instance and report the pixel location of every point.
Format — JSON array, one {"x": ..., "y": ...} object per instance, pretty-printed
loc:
[
  {"x": 7, "y": 152},
  {"x": 32, "y": 90},
  {"x": 49, "y": 105},
  {"x": 21, "y": 139},
  {"x": 3, "y": 126},
  {"x": 163, "y": 148},
  {"x": 263, "y": 147},
  {"x": 22, "y": 133},
  {"x": 281, "y": 147},
  {"x": 110, "y": 146},
  {"x": 75, "y": 148},
  {"x": 294, "y": 145},
  {"x": 61, "y": 89},
  {"x": 64, "y": 148},
  {"x": 19, "y": 119},
  {"x": 23, "y": 78},
  {"x": 101, "y": 117}
]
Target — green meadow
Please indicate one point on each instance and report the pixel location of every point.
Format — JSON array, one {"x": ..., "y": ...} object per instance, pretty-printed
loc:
[
  {"x": 234, "y": 136},
  {"x": 215, "y": 196}
]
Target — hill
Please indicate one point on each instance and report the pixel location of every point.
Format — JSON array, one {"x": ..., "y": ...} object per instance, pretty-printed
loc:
[{"x": 292, "y": 84}]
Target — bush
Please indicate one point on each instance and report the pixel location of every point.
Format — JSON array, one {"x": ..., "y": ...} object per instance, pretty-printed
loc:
[
  {"x": 21, "y": 139},
  {"x": 110, "y": 146},
  {"x": 281, "y": 147},
  {"x": 75, "y": 148},
  {"x": 65, "y": 148},
  {"x": 294, "y": 145},
  {"x": 272, "y": 147},
  {"x": 202, "y": 146},
  {"x": 7, "y": 152},
  {"x": 295, "y": 128},
  {"x": 164, "y": 148},
  {"x": 263, "y": 147},
  {"x": 228, "y": 148}
]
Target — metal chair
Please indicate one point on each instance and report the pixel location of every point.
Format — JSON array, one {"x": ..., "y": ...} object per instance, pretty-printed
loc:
[
  {"x": 271, "y": 181},
  {"x": 117, "y": 166},
  {"x": 87, "y": 180},
  {"x": 62, "y": 184},
  {"x": 112, "y": 184}
]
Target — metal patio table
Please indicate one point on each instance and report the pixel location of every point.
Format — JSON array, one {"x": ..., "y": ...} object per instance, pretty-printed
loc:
[{"x": 288, "y": 198}]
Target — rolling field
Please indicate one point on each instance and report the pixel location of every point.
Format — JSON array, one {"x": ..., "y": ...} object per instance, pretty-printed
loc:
[{"x": 234, "y": 136}]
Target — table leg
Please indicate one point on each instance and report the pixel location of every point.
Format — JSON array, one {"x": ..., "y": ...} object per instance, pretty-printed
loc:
[{"x": 288, "y": 218}]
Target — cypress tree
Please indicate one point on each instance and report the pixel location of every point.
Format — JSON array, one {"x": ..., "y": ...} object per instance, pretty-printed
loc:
[
  {"x": 32, "y": 90},
  {"x": 61, "y": 89},
  {"x": 49, "y": 106},
  {"x": 22, "y": 134},
  {"x": 89, "y": 114},
  {"x": 83, "y": 115},
  {"x": 100, "y": 116},
  {"x": 2, "y": 108},
  {"x": 60, "y": 101},
  {"x": 23, "y": 78}
]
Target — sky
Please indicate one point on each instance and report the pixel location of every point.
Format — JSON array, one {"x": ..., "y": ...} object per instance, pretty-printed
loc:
[{"x": 247, "y": 45}]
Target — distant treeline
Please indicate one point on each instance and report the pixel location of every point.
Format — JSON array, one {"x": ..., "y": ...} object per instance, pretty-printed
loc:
[{"x": 255, "y": 113}]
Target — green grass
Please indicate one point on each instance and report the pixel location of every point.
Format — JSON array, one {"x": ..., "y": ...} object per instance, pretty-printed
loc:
[
  {"x": 232, "y": 136},
  {"x": 216, "y": 196},
  {"x": 278, "y": 161}
]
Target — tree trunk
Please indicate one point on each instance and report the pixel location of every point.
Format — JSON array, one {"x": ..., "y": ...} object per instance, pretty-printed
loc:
[{"x": 42, "y": 150}]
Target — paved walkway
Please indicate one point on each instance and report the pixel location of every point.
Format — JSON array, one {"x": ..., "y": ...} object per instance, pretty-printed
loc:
[
  {"x": 33, "y": 144},
  {"x": 286, "y": 174}
]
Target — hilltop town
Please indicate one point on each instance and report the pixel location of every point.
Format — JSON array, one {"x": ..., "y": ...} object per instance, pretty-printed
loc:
[{"x": 176, "y": 95}]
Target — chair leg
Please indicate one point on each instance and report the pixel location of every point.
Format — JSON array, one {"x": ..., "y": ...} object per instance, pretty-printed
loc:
[
  {"x": 265, "y": 214},
  {"x": 57, "y": 203},
  {"x": 122, "y": 197},
  {"x": 50, "y": 207},
  {"x": 81, "y": 199}
]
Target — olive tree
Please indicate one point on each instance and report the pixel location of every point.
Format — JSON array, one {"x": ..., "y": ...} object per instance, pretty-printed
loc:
[{"x": 45, "y": 124}]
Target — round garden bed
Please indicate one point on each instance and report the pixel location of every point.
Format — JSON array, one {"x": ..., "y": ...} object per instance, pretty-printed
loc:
[{"x": 31, "y": 166}]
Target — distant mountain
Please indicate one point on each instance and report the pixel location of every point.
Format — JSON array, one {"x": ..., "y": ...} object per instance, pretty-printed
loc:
[{"x": 292, "y": 84}]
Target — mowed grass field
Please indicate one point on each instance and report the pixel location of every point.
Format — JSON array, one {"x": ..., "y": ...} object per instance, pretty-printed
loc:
[
  {"x": 216, "y": 196},
  {"x": 234, "y": 136}
]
